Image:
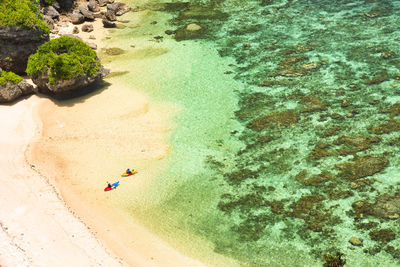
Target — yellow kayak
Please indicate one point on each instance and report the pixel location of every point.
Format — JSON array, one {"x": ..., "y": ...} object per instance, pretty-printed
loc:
[{"x": 128, "y": 174}]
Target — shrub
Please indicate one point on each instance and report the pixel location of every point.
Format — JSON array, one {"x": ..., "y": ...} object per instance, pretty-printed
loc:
[
  {"x": 48, "y": 2},
  {"x": 11, "y": 77},
  {"x": 22, "y": 13},
  {"x": 62, "y": 59}
]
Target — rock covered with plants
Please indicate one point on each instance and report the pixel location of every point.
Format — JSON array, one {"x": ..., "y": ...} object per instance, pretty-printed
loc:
[
  {"x": 12, "y": 86},
  {"x": 64, "y": 65},
  {"x": 22, "y": 30}
]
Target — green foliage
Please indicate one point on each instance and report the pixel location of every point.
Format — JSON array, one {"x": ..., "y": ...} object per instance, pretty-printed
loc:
[
  {"x": 22, "y": 13},
  {"x": 62, "y": 59},
  {"x": 11, "y": 77},
  {"x": 48, "y": 2}
]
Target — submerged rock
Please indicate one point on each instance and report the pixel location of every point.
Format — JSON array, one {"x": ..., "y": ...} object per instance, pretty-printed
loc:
[
  {"x": 320, "y": 151},
  {"x": 394, "y": 110},
  {"x": 387, "y": 127},
  {"x": 118, "y": 8},
  {"x": 317, "y": 179},
  {"x": 313, "y": 104},
  {"x": 108, "y": 24},
  {"x": 383, "y": 235},
  {"x": 190, "y": 31},
  {"x": 385, "y": 207},
  {"x": 355, "y": 144},
  {"x": 111, "y": 15},
  {"x": 274, "y": 120},
  {"x": 362, "y": 167},
  {"x": 355, "y": 241},
  {"x": 193, "y": 27},
  {"x": 114, "y": 51}
]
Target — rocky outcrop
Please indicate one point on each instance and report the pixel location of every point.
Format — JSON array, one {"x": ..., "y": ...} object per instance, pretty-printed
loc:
[
  {"x": 51, "y": 12},
  {"x": 87, "y": 27},
  {"x": 17, "y": 45},
  {"x": 66, "y": 5},
  {"x": 105, "y": 2},
  {"x": 93, "y": 6},
  {"x": 9, "y": 92},
  {"x": 118, "y": 8},
  {"x": 108, "y": 24},
  {"x": 86, "y": 13},
  {"x": 76, "y": 17},
  {"x": 110, "y": 15},
  {"x": 70, "y": 86}
]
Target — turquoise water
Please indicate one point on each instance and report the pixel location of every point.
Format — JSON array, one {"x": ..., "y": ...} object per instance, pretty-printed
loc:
[{"x": 286, "y": 142}]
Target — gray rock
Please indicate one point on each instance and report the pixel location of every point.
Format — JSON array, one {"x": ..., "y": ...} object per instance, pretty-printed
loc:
[
  {"x": 49, "y": 21},
  {"x": 75, "y": 30},
  {"x": 355, "y": 241},
  {"x": 193, "y": 27},
  {"x": 87, "y": 28},
  {"x": 51, "y": 12},
  {"x": 101, "y": 15},
  {"x": 92, "y": 45},
  {"x": 124, "y": 8},
  {"x": 9, "y": 92},
  {"x": 191, "y": 31},
  {"x": 66, "y": 4},
  {"x": 93, "y": 6},
  {"x": 118, "y": 8},
  {"x": 77, "y": 18},
  {"x": 110, "y": 15},
  {"x": 73, "y": 85},
  {"x": 102, "y": 2},
  {"x": 16, "y": 45},
  {"x": 86, "y": 13},
  {"x": 108, "y": 24}
]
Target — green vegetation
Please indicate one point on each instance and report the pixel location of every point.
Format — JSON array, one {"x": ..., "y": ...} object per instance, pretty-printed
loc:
[
  {"x": 62, "y": 59},
  {"x": 48, "y": 2},
  {"x": 11, "y": 77},
  {"x": 22, "y": 13}
]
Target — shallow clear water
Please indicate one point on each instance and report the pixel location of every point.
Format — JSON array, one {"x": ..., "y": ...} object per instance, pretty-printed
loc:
[{"x": 286, "y": 142}]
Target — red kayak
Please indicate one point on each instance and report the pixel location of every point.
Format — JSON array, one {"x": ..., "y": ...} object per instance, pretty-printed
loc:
[{"x": 114, "y": 185}]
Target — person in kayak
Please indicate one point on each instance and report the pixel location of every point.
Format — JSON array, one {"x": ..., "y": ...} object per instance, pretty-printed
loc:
[
  {"x": 109, "y": 185},
  {"x": 128, "y": 171}
]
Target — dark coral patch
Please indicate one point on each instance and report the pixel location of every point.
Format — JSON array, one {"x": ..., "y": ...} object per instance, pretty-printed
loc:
[
  {"x": 362, "y": 167},
  {"x": 274, "y": 120}
]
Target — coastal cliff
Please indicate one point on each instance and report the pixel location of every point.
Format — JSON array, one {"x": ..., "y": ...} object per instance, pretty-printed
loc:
[{"x": 22, "y": 30}]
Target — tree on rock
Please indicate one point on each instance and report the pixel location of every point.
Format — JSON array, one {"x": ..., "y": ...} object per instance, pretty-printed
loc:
[
  {"x": 63, "y": 65},
  {"x": 22, "y": 30}
]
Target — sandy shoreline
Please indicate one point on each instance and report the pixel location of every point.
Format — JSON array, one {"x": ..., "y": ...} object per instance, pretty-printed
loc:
[
  {"x": 78, "y": 138},
  {"x": 37, "y": 228}
]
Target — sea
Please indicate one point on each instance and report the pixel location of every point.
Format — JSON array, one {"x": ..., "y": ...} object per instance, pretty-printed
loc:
[{"x": 284, "y": 149}]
